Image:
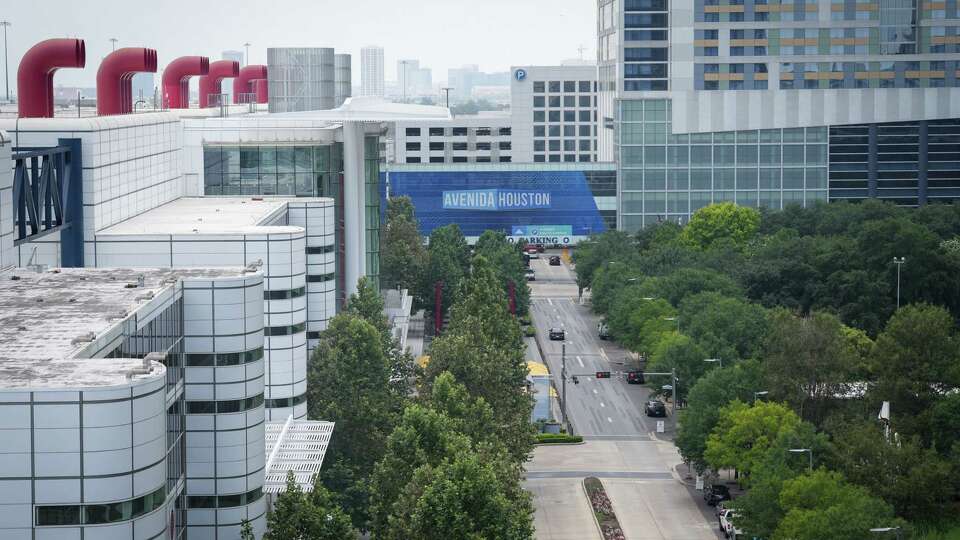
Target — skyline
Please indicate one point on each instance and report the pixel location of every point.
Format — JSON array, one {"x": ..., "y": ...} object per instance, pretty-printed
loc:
[{"x": 490, "y": 38}]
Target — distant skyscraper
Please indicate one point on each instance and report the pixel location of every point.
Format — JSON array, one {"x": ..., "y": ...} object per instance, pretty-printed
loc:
[
  {"x": 343, "y": 78},
  {"x": 226, "y": 85},
  {"x": 371, "y": 71}
]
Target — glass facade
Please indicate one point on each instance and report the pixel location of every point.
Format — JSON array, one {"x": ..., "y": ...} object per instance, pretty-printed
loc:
[
  {"x": 665, "y": 176},
  {"x": 371, "y": 176},
  {"x": 301, "y": 171}
]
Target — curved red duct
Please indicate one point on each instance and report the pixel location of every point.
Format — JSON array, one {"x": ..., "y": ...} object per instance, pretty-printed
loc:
[
  {"x": 176, "y": 79},
  {"x": 261, "y": 89},
  {"x": 114, "y": 78},
  {"x": 241, "y": 84},
  {"x": 210, "y": 83},
  {"x": 35, "y": 75}
]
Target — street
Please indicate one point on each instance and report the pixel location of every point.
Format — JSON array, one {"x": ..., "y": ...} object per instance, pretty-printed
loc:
[{"x": 622, "y": 448}]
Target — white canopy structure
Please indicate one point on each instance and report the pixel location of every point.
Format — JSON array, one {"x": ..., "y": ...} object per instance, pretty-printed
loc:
[{"x": 298, "y": 446}]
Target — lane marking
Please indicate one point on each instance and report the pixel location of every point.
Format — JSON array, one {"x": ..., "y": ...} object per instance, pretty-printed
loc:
[
  {"x": 594, "y": 390},
  {"x": 550, "y": 301},
  {"x": 602, "y": 404},
  {"x": 580, "y": 360},
  {"x": 604, "y": 355},
  {"x": 609, "y": 419}
]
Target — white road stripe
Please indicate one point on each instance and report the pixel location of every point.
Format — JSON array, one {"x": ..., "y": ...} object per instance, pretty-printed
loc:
[
  {"x": 594, "y": 390},
  {"x": 602, "y": 404},
  {"x": 609, "y": 419},
  {"x": 580, "y": 360},
  {"x": 550, "y": 301}
]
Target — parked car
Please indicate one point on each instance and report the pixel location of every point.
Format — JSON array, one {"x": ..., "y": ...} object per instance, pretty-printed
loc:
[
  {"x": 655, "y": 408},
  {"x": 603, "y": 331},
  {"x": 554, "y": 260},
  {"x": 533, "y": 252},
  {"x": 727, "y": 526},
  {"x": 557, "y": 334},
  {"x": 636, "y": 377},
  {"x": 715, "y": 493},
  {"x": 531, "y": 275},
  {"x": 540, "y": 248}
]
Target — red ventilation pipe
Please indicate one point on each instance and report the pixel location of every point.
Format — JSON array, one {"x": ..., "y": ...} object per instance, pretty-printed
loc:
[
  {"x": 241, "y": 85},
  {"x": 114, "y": 78},
  {"x": 176, "y": 79},
  {"x": 210, "y": 83},
  {"x": 261, "y": 89},
  {"x": 35, "y": 76}
]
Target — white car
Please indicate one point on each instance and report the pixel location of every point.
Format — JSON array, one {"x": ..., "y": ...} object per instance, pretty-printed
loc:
[{"x": 726, "y": 524}]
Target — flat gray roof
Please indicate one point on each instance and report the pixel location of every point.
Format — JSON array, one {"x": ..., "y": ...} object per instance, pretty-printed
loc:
[
  {"x": 43, "y": 313},
  {"x": 209, "y": 215}
]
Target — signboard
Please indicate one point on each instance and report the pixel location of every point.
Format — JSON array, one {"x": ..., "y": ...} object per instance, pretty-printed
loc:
[
  {"x": 660, "y": 426},
  {"x": 699, "y": 486},
  {"x": 520, "y": 74},
  {"x": 541, "y": 230},
  {"x": 496, "y": 200}
]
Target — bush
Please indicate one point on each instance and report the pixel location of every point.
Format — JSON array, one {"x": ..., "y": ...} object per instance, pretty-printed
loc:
[
  {"x": 529, "y": 331},
  {"x": 558, "y": 438}
]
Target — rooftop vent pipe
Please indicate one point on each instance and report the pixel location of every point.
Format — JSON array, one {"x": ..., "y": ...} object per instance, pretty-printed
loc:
[
  {"x": 241, "y": 85},
  {"x": 115, "y": 78},
  {"x": 35, "y": 76},
  {"x": 176, "y": 79},
  {"x": 261, "y": 89},
  {"x": 210, "y": 83}
]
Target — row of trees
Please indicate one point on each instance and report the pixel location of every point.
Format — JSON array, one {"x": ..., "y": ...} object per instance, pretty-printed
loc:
[
  {"x": 434, "y": 454},
  {"x": 446, "y": 259},
  {"x": 796, "y": 313}
]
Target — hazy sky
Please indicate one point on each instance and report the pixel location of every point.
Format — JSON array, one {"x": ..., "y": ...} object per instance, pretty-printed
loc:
[{"x": 441, "y": 33}]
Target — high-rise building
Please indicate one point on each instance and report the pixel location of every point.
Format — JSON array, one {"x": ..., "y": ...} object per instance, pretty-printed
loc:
[
  {"x": 301, "y": 79},
  {"x": 371, "y": 71},
  {"x": 771, "y": 104},
  {"x": 343, "y": 75},
  {"x": 462, "y": 80}
]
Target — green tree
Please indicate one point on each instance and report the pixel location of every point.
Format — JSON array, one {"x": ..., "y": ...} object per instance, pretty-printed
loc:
[
  {"x": 599, "y": 251},
  {"x": 483, "y": 349},
  {"x": 713, "y": 391},
  {"x": 915, "y": 356},
  {"x": 945, "y": 424},
  {"x": 821, "y": 503},
  {"x": 507, "y": 260},
  {"x": 313, "y": 516},
  {"x": 680, "y": 352},
  {"x": 808, "y": 362},
  {"x": 465, "y": 498},
  {"x": 721, "y": 222},
  {"x": 246, "y": 531},
  {"x": 367, "y": 304},
  {"x": 349, "y": 383},
  {"x": 744, "y": 435},
  {"x": 638, "y": 322},
  {"x": 403, "y": 258},
  {"x": 685, "y": 282},
  {"x": 917, "y": 482},
  {"x": 728, "y": 328},
  {"x": 448, "y": 261},
  {"x": 608, "y": 282}
]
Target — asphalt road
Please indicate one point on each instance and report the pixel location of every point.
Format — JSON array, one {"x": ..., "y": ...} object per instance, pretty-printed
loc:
[
  {"x": 596, "y": 407},
  {"x": 635, "y": 464}
]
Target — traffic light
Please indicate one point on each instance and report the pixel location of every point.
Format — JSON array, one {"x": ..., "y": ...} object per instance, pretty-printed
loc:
[
  {"x": 603, "y": 374},
  {"x": 576, "y": 380}
]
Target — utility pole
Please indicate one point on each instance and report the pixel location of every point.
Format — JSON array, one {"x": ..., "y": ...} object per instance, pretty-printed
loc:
[
  {"x": 6, "y": 64},
  {"x": 446, "y": 90},
  {"x": 246, "y": 58},
  {"x": 580, "y": 49},
  {"x": 676, "y": 397},
  {"x": 563, "y": 386},
  {"x": 899, "y": 262},
  {"x": 113, "y": 43}
]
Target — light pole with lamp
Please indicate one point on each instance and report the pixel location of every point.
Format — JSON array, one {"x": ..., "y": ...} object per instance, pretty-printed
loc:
[
  {"x": 674, "y": 319},
  {"x": 756, "y": 395},
  {"x": 246, "y": 58},
  {"x": 885, "y": 530},
  {"x": 899, "y": 262},
  {"x": 802, "y": 451},
  {"x": 113, "y": 43},
  {"x": 6, "y": 65},
  {"x": 714, "y": 361}
]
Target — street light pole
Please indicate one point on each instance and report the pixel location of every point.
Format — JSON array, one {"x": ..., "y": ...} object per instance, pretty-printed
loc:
[
  {"x": 113, "y": 43},
  {"x": 758, "y": 394},
  {"x": 6, "y": 64},
  {"x": 563, "y": 386},
  {"x": 714, "y": 360},
  {"x": 801, "y": 451},
  {"x": 246, "y": 59},
  {"x": 446, "y": 90},
  {"x": 899, "y": 262}
]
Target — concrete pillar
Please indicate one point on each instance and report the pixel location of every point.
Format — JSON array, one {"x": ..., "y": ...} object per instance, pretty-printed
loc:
[{"x": 354, "y": 207}]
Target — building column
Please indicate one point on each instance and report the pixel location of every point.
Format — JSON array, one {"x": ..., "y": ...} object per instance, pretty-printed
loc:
[{"x": 354, "y": 206}]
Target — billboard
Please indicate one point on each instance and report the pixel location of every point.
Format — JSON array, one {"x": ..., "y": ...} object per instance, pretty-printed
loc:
[{"x": 547, "y": 206}]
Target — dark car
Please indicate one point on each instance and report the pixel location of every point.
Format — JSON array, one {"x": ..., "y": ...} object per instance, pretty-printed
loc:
[
  {"x": 635, "y": 377},
  {"x": 540, "y": 248},
  {"x": 531, "y": 275},
  {"x": 557, "y": 334},
  {"x": 555, "y": 260},
  {"x": 656, "y": 408},
  {"x": 715, "y": 493}
]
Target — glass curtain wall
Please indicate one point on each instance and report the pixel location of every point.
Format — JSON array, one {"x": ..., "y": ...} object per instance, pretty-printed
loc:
[
  {"x": 286, "y": 170},
  {"x": 668, "y": 177},
  {"x": 371, "y": 170}
]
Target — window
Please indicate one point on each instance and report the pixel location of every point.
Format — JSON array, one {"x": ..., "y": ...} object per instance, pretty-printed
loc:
[
  {"x": 555, "y": 102},
  {"x": 569, "y": 131},
  {"x": 413, "y": 132},
  {"x": 554, "y": 87},
  {"x": 483, "y": 159},
  {"x": 555, "y": 146},
  {"x": 483, "y": 132},
  {"x": 434, "y": 146},
  {"x": 584, "y": 116},
  {"x": 569, "y": 101},
  {"x": 460, "y": 146},
  {"x": 459, "y": 132},
  {"x": 584, "y": 86},
  {"x": 224, "y": 501},
  {"x": 483, "y": 146},
  {"x": 58, "y": 515},
  {"x": 584, "y": 101},
  {"x": 554, "y": 131},
  {"x": 506, "y": 132},
  {"x": 539, "y": 131},
  {"x": 413, "y": 147},
  {"x": 538, "y": 87},
  {"x": 539, "y": 145},
  {"x": 413, "y": 159},
  {"x": 584, "y": 131},
  {"x": 569, "y": 86},
  {"x": 436, "y": 159},
  {"x": 318, "y": 278},
  {"x": 436, "y": 132},
  {"x": 319, "y": 250},
  {"x": 459, "y": 159},
  {"x": 554, "y": 116},
  {"x": 285, "y": 294},
  {"x": 538, "y": 102},
  {"x": 539, "y": 116},
  {"x": 539, "y": 158},
  {"x": 280, "y": 403},
  {"x": 505, "y": 159},
  {"x": 505, "y": 145}
]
